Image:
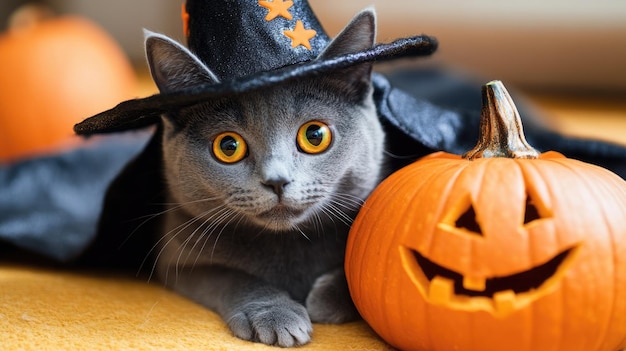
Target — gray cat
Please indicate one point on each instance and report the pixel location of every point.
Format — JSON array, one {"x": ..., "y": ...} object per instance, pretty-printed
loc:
[{"x": 263, "y": 189}]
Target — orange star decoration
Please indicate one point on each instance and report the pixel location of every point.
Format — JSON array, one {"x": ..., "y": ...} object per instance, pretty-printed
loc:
[
  {"x": 277, "y": 8},
  {"x": 300, "y": 35}
]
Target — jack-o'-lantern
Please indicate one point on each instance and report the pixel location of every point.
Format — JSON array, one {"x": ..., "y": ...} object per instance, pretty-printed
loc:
[{"x": 500, "y": 249}]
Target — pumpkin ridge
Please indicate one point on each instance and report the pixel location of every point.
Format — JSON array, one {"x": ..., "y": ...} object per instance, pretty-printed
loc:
[
  {"x": 543, "y": 176},
  {"x": 439, "y": 211},
  {"x": 443, "y": 168},
  {"x": 606, "y": 326},
  {"x": 389, "y": 246},
  {"x": 536, "y": 185},
  {"x": 361, "y": 244},
  {"x": 582, "y": 173},
  {"x": 614, "y": 182},
  {"x": 394, "y": 189},
  {"x": 485, "y": 188}
]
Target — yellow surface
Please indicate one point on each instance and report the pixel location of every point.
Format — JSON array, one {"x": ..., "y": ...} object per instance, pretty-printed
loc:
[{"x": 42, "y": 309}]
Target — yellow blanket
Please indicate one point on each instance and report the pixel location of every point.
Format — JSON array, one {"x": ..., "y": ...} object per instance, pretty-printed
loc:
[{"x": 50, "y": 309}]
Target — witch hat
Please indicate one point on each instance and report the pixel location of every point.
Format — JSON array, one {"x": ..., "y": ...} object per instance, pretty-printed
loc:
[
  {"x": 267, "y": 35},
  {"x": 249, "y": 44}
]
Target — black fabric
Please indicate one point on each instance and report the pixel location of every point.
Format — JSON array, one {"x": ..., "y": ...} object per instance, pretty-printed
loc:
[
  {"x": 50, "y": 205},
  {"x": 132, "y": 206}
]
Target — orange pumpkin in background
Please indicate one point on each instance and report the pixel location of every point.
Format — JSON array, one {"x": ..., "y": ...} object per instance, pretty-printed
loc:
[
  {"x": 54, "y": 72},
  {"x": 501, "y": 249}
]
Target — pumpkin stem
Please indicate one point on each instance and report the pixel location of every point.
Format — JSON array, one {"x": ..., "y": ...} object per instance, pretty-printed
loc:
[{"x": 501, "y": 132}]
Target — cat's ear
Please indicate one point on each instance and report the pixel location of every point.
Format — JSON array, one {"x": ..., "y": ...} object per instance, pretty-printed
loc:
[
  {"x": 358, "y": 35},
  {"x": 173, "y": 66}
]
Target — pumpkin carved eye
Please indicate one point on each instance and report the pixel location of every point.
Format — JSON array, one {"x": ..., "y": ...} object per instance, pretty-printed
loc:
[
  {"x": 531, "y": 213},
  {"x": 467, "y": 219}
]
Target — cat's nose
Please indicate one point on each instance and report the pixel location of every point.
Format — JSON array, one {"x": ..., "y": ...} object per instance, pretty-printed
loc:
[{"x": 277, "y": 185}]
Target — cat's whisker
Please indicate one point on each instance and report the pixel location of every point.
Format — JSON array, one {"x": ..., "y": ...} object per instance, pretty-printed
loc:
[
  {"x": 328, "y": 214},
  {"x": 296, "y": 227},
  {"x": 335, "y": 205},
  {"x": 241, "y": 218},
  {"x": 401, "y": 157},
  {"x": 316, "y": 221},
  {"x": 183, "y": 246},
  {"x": 222, "y": 218},
  {"x": 173, "y": 206},
  {"x": 179, "y": 204},
  {"x": 265, "y": 228},
  {"x": 339, "y": 214},
  {"x": 149, "y": 217},
  {"x": 219, "y": 235},
  {"x": 349, "y": 197},
  {"x": 351, "y": 203},
  {"x": 206, "y": 225},
  {"x": 178, "y": 229},
  {"x": 213, "y": 222}
]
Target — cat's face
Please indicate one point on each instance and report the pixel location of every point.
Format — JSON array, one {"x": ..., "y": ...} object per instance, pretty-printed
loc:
[
  {"x": 292, "y": 155},
  {"x": 279, "y": 157}
]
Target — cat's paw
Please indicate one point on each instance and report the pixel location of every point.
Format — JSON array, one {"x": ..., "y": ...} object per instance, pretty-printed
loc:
[
  {"x": 329, "y": 300},
  {"x": 279, "y": 321}
]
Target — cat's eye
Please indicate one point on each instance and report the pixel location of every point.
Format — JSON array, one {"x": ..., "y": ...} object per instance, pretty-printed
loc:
[
  {"x": 314, "y": 137},
  {"x": 229, "y": 147}
]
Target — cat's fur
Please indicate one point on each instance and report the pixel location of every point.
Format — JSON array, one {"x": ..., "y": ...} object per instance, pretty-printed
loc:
[{"x": 262, "y": 241}]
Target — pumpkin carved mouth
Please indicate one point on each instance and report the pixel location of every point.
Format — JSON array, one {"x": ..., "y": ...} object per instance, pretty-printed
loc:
[{"x": 499, "y": 295}]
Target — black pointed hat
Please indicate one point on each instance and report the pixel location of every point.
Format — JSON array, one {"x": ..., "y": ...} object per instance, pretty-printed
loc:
[
  {"x": 249, "y": 44},
  {"x": 243, "y": 37}
]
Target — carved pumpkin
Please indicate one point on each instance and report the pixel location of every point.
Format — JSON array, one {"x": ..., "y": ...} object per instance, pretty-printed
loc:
[
  {"x": 501, "y": 249},
  {"x": 54, "y": 72}
]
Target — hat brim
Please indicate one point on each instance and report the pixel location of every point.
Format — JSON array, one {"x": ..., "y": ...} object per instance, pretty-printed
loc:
[{"x": 139, "y": 113}]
